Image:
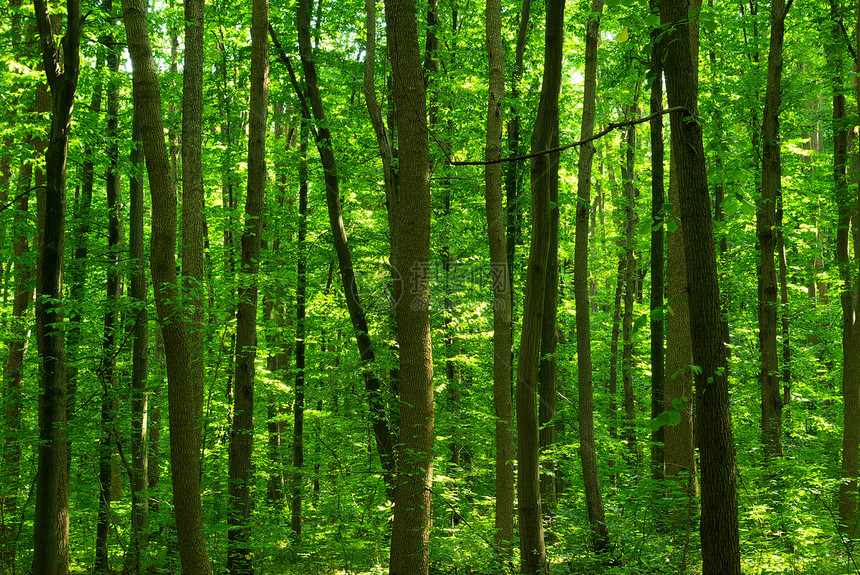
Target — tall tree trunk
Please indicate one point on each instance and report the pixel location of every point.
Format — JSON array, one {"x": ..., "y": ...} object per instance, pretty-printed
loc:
[
  {"x": 13, "y": 373},
  {"x": 585, "y": 377},
  {"x": 658, "y": 234},
  {"x": 532, "y": 546},
  {"x": 183, "y": 357},
  {"x": 850, "y": 296},
  {"x": 301, "y": 289},
  {"x": 766, "y": 232},
  {"x": 548, "y": 367},
  {"x": 719, "y": 524},
  {"x": 410, "y": 255},
  {"x": 502, "y": 304},
  {"x": 62, "y": 68},
  {"x": 628, "y": 176},
  {"x": 514, "y": 171},
  {"x": 242, "y": 438},
  {"x": 139, "y": 359},
  {"x": 107, "y": 369},
  {"x": 373, "y": 387}
]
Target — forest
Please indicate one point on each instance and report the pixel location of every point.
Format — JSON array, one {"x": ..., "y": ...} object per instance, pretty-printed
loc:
[{"x": 429, "y": 287}]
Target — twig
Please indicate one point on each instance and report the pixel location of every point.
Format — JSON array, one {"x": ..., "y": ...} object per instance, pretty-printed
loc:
[{"x": 600, "y": 134}]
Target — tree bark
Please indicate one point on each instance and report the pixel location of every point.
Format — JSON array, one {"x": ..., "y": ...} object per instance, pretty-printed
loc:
[
  {"x": 410, "y": 531},
  {"x": 658, "y": 235},
  {"x": 373, "y": 387},
  {"x": 585, "y": 377},
  {"x": 628, "y": 176},
  {"x": 62, "y": 69},
  {"x": 719, "y": 523},
  {"x": 766, "y": 232},
  {"x": 502, "y": 304},
  {"x": 850, "y": 297},
  {"x": 239, "y": 557},
  {"x": 140, "y": 359},
  {"x": 184, "y": 392}
]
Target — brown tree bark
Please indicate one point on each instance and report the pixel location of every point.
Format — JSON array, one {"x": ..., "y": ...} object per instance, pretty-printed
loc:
[
  {"x": 373, "y": 387},
  {"x": 847, "y": 201},
  {"x": 628, "y": 176},
  {"x": 242, "y": 437},
  {"x": 500, "y": 273},
  {"x": 301, "y": 290},
  {"x": 532, "y": 545},
  {"x": 502, "y": 304},
  {"x": 410, "y": 253},
  {"x": 62, "y": 69},
  {"x": 658, "y": 234},
  {"x": 107, "y": 367},
  {"x": 766, "y": 232},
  {"x": 719, "y": 523},
  {"x": 139, "y": 358},
  {"x": 183, "y": 356},
  {"x": 585, "y": 377}
]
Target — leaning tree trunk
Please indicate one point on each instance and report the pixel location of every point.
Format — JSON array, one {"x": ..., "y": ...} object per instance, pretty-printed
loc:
[
  {"x": 410, "y": 253},
  {"x": 585, "y": 378},
  {"x": 62, "y": 68},
  {"x": 184, "y": 393},
  {"x": 502, "y": 328},
  {"x": 719, "y": 523},
  {"x": 239, "y": 557}
]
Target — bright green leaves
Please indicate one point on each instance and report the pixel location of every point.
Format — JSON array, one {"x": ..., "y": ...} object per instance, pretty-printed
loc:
[{"x": 671, "y": 416}]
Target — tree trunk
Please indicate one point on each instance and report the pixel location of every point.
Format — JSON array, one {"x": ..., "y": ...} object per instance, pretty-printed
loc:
[
  {"x": 719, "y": 523},
  {"x": 585, "y": 377},
  {"x": 13, "y": 374},
  {"x": 62, "y": 68},
  {"x": 658, "y": 234},
  {"x": 548, "y": 367},
  {"x": 850, "y": 299},
  {"x": 410, "y": 255},
  {"x": 628, "y": 176},
  {"x": 183, "y": 357},
  {"x": 140, "y": 359},
  {"x": 502, "y": 327},
  {"x": 771, "y": 394},
  {"x": 301, "y": 288},
  {"x": 107, "y": 369},
  {"x": 373, "y": 387},
  {"x": 239, "y": 557}
]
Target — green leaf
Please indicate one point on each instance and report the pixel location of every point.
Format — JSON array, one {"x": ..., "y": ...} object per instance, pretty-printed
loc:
[
  {"x": 670, "y": 417},
  {"x": 640, "y": 322},
  {"x": 652, "y": 20},
  {"x": 679, "y": 403}
]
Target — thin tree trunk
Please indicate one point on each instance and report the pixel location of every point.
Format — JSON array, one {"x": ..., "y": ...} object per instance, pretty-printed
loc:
[
  {"x": 184, "y": 361},
  {"x": 719, "y": 523},
  {"x": 107, "y": 369},
  {"x": 140, "y": 359},
  {"x": 301, "y": 289},
  {"x": 627, "y": 177},
  {"x": 585, "y": 377},
  {"x": 502, "y": 327},
  {"x": 766, "y": 232},
  {"x": 532, "y": 546},
  {"x": 373, "y": 387},
  {"x": 239, "y": 557},
  {"x": 850, "y": 297},
  {"x": 13, "y": 375},
  {"x": 657, "y": 253},
  {"x": 410, "y": 255}
]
